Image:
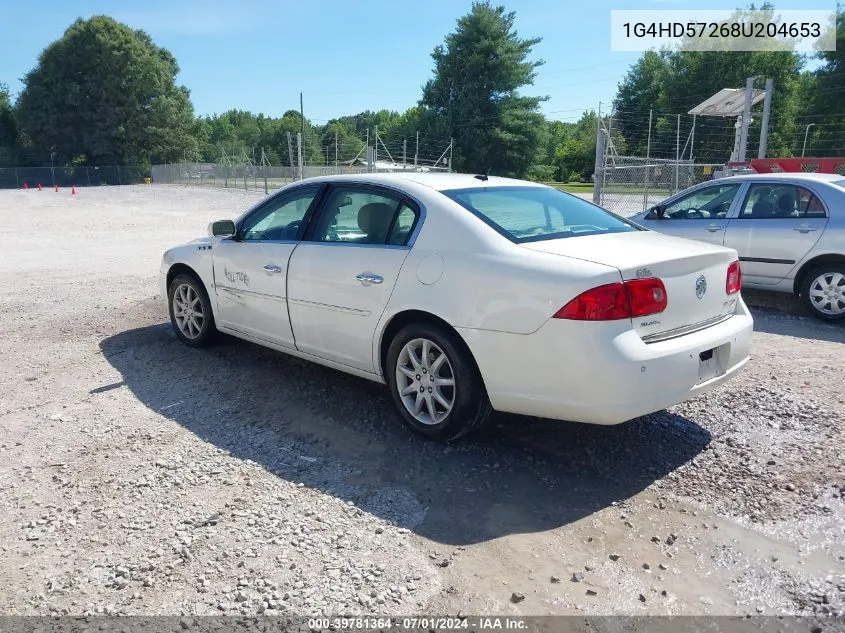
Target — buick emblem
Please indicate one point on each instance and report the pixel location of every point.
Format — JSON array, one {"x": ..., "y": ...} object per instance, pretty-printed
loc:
[{"x": 700, "y": 286}]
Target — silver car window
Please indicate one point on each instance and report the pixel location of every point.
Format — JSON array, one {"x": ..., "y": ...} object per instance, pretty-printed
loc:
[
  {"x": 704, "y": 203},
  {"x": 766, "y": 201}
]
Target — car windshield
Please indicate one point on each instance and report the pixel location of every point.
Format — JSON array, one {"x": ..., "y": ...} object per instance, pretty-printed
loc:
[{"x": 529, "y": 214}]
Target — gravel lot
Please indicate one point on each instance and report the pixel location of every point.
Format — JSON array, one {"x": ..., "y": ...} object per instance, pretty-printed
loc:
[{"x": 139, "y": 476}]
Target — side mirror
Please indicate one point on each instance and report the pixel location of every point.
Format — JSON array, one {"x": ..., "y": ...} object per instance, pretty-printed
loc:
[
  {"x": 345, "y": 201},
  {"x": 221, "y": 228}
]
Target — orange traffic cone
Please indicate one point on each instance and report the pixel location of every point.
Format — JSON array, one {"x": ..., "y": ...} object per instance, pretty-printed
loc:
[
  {"x": 25, "y": 186},
  {"x": 39, "y": 186},
  {"x": 56, "y": 187}
]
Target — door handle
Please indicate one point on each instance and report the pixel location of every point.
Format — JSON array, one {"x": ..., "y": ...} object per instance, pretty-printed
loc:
[
  {"x": 369, "y": 278},
  {"x": 714, "y": 227},
  {"x": 805, "y": 229},
  {"x": 272, "y": 270}
]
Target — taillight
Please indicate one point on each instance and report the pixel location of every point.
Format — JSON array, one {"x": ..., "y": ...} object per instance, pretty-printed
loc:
[
  {"x": 623, "y": 300},
  {"x": 604, "y": 303},
  {"x": 648, "y": 296},
  {"x": 733, "y": 283}
]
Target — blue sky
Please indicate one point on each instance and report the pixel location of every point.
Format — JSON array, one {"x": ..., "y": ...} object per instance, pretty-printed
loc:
[{"x": 345, "y": 56}]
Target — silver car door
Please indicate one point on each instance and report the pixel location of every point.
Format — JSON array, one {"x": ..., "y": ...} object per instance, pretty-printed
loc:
[{"x": 776, "y": 225}]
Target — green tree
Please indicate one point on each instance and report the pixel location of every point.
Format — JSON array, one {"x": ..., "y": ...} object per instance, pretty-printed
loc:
[
  {"x": 474, "y": 91},
  {"x": 672, "y": 82},
  {"x": 8, "y": 129},
  {"x": 824, "y": 90},
  {"x": 107, "y": 92}
]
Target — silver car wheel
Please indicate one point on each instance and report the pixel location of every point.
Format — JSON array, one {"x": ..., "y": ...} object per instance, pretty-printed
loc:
[
  {"x": 827, "y": 293},
  {"x": 425, "y": 381},
  {"x": 187, "y": 311}
]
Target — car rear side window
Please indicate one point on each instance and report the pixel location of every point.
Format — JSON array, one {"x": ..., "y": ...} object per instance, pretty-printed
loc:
[
  {"x": 767, "y": 201},
  {"x": 529, "y": 214},
  {"x": 364, "y": 215}
]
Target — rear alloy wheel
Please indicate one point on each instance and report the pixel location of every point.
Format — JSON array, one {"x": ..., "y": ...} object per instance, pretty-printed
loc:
[
  {"x": 190, "y": 311},
  {"x": 434, "y": 383},
  {"x": 823, "y": 292}
]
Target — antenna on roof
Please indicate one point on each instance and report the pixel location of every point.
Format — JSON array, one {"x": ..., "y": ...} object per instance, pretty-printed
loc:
[{"x": 484, "y": 177}]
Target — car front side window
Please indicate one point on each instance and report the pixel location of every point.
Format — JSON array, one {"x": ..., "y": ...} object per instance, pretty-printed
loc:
[
  {"x": 281, "y": 219},
  {"x": 706, "y": 203}
]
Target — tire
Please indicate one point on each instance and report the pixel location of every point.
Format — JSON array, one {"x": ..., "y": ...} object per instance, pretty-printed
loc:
[
  {"x": 469, "y": 405},
  {"x": 197, "y": 329},
  {"x": 823, "y": 292}
]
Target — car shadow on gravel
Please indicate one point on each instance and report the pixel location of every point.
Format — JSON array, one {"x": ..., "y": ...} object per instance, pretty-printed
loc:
[
  {"x": 774, "y": 322},
  {"x": 339, "y": 434}
]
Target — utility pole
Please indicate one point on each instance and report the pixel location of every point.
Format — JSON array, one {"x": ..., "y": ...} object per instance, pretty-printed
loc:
[
  {"x": 301, "y": 117},
  {"x": 404, "y": 152},
  {"x": 375, "y": 149},
  {"x": 369, "y": 155},
  {"x": 335, "y": 150},
  {"x": 764, "y": 127}
]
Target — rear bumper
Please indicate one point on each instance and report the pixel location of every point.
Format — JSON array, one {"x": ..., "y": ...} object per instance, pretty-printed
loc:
[{"x": 603, "y": 373}]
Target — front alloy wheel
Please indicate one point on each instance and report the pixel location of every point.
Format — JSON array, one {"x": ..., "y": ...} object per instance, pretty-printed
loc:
[
  {"x": 190, "y": 311},
  {"x": 187, "y": 311}
]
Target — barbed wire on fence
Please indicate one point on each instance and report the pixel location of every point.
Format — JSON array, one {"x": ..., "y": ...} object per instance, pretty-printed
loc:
[{"x": 250, "y": 168}]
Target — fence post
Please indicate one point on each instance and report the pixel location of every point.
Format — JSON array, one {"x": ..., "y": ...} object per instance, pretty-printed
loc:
[
  {"x": 290, "y": 155},
  {"x": 118, "y": 175},
  {"x": 598, "y": 172},
  {"x": 746, "y": 119},
  {"x": 264, "y": 169},
  {"x": 375, "y": 151},
  {"x": 647, "y": 161},
  {"x": 764, "y": 128},
  {"x": 299, "y": 152},
  {"x": 17, "y": 180},
  {"x": 677, "y": 152}
]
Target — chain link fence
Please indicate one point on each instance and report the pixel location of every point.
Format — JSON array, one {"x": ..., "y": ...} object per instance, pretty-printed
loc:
[
  {"x": 18, "y": 177},
  {"x": 630, "y": 184},
  {"x": 266, "y": 177}
]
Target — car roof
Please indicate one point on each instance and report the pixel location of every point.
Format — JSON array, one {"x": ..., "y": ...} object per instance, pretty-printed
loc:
[
  {"x": 783, "y": 175},
  {"x": 439, "y": 181}
]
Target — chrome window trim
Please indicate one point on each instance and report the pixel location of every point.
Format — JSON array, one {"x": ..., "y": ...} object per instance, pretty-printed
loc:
[{"x": 394, "y": 247}]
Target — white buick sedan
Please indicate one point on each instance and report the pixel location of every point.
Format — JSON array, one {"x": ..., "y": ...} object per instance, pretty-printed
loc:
[{"x": 467, "y": 294}]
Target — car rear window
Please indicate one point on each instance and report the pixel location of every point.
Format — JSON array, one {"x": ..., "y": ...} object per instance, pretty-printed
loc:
[{"x": 530, "y": 214}]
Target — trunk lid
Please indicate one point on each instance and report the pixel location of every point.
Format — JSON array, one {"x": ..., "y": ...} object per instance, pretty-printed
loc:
[{"x": 681, "y": 264}]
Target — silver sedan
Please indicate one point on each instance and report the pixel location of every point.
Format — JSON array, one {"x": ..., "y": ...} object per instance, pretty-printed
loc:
[{"x": 789, "y": 230}]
